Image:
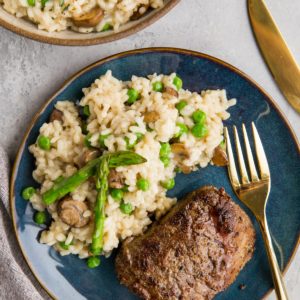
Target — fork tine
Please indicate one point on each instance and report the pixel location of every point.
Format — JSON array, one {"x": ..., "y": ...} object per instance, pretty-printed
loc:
[
  {"x": 231, "y": 166},
  {"x": 253, "y": 172},
  {"x": 243, "y": 170},
  {"x": 260, "y": 153}
]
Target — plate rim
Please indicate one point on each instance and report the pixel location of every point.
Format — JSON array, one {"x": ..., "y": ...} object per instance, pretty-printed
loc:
[
  {"x": 94, "y": 40},
  {"x": 100, "y": 62}
]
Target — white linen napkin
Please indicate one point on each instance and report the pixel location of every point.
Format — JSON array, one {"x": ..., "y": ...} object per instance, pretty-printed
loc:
[{"x": 16, "y": 279}]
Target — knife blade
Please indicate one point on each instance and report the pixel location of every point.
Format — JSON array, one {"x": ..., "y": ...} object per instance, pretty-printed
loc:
[{"x": 276, "y": 52}]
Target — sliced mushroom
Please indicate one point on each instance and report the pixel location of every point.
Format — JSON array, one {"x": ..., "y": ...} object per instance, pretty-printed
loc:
[
  {"x": 139, "y": 13},
  {"x": 87, "y": 155},
  {"x": 115, "y": 179},
  {"x": 151, "y": 116},
  {"x": 220, "y": 158},
  {"x": 185, "y": 169},
  {"x": 170, "y": 91},
  {"x": 71, "y": 212},
  {"x": 56, "y": 115},
  {"x": 89, "y": 19},
  {"x": 180, "y": 151}
]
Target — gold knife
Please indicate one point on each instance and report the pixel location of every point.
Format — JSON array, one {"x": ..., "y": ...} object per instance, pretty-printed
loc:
[{"x": 276, "y": 52}]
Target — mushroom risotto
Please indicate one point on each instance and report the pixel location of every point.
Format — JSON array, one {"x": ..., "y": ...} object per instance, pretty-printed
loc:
[
  {"x": 80, "y": 15},
  {"x": 168, "y": 129}
]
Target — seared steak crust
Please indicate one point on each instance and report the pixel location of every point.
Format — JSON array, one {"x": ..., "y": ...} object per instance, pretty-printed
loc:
[{"x": 194, "y": 252}]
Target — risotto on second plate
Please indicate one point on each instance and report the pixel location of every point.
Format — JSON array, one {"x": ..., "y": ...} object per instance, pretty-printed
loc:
[
  {"x": 80, "y": 15},
  {"x": 174, "y": 129}
]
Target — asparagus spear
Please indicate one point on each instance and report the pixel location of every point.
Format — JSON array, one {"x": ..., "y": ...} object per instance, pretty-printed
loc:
[
  {"x": 125, "y": 158},
  {"x": 68, "y": 185},
  {"x": 102, "y": 187}
]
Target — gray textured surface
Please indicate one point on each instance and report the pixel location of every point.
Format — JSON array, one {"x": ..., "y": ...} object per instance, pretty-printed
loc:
[{"x": 30, "y": 72}]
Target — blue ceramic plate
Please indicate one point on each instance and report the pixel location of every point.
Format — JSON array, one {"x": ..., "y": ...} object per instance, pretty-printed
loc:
[{"x": 69, "y": 278}]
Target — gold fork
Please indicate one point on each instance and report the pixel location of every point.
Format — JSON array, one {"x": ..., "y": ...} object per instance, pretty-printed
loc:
[{"x": 255, "y": 192}]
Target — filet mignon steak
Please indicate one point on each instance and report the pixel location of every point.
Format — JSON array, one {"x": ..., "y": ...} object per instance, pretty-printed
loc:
[{"x": 194, "y": 252}]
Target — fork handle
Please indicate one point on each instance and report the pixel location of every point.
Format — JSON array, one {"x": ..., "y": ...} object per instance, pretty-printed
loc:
[{"x": 276, "y": 273}]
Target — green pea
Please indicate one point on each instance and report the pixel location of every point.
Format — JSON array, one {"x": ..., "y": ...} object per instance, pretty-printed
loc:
[
  {"x": 181, "y": 105},
  {"x": 199, "y": 130},
  {"x": 125, "y": 188},
  {"x": 64, "y": 246},
  {"x": 133, "y": 95},
  {"x": 102, "y": 139},
  {"x": 43, "y": 3},
  {"x": 40, "y": 217},
  {"x": 143, "y": 184},
  {"x": 199, "y": 116},
  {"x": 31, "y": 2},
  {"x": 164, "y": 153},
  {"x": 87, "y": 142},
  {"x": 223, "y": 145},
  {"x": 106, "y": 27},
  {"x": 165, "y": 150},
  {"x": 182, "y": 129},
  {"x": 158, "y": 86},
  {"x": 149, "y": 128},
  {"x": 93, "y": 262},
  {"x": 44, "y": 142},
  {"x": 84, "y": 128},
  {"x": 168, "y": 184},
  {"x": 131, "y": 145},
  {"x": 139, "y": 136},
  {"x": 177, "y": 82},
  {"x": 86, "y": 111},
  {"x": 166, "y": 161},
  {"x": 126, "y": 208},
  {"x": 117, "y": 194},
  {"x": 28, "y": 192}
]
